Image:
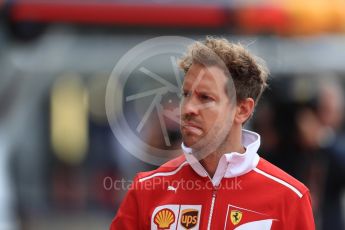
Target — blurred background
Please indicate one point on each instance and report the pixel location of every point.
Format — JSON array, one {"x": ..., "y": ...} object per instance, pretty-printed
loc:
[{"x": 58, "y": 155}]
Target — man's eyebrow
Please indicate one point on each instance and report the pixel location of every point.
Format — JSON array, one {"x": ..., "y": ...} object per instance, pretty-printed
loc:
[{"x": 206, "y": 92}]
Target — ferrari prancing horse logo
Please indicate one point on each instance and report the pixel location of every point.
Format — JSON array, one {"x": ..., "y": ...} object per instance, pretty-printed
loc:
[{"x": 235, "y": 216}]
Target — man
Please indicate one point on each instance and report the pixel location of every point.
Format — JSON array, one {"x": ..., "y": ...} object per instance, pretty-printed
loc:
[{"x": 219, "y": 182}]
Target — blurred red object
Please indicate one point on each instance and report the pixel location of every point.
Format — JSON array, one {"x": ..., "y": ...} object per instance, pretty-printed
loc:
[{"x": 119, "y": 13}]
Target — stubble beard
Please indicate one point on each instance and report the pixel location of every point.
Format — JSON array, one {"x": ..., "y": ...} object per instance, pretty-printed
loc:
[{"x": 213, "y": 142}]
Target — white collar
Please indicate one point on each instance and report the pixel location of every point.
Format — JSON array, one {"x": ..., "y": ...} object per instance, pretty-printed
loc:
[{"x": 230, "y": 164}]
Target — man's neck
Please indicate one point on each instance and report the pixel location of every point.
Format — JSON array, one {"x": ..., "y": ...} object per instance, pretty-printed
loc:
[{"x": 210, "y": 162}]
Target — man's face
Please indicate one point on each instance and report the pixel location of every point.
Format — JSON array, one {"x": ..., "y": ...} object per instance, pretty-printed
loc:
[{"x": 206, "y": 114}]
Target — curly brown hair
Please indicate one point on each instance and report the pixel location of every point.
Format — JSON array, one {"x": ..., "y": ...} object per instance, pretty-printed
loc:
[{"x": 249, "y": 73}]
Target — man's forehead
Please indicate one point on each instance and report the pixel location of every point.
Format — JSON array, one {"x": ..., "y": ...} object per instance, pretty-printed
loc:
[{"x": 205, "y": 77}]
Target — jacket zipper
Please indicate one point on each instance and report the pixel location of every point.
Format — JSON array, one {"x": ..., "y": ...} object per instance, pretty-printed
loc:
[{"x": 214, "y": 195}]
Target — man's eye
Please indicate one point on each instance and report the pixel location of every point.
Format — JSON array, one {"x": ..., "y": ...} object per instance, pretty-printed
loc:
[{"x": 205, "y": 97}]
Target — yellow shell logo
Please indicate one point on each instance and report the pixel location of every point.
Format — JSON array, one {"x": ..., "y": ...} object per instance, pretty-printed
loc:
[{"x": 164, "y": 218}]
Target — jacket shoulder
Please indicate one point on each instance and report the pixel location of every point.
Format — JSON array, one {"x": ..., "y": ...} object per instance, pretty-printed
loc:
[
  {"x": 273, "y": 173},
  {"x": 169, "y": 168}
]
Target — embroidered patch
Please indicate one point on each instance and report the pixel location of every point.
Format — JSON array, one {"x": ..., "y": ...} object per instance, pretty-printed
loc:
[
  {"x": 189, "y": 217},
  {"x": 164, "y": 218},
  {"x": 235, "y": 216}
]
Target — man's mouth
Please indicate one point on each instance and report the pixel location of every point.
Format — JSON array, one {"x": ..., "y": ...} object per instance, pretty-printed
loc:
[{"x": 192, "y": 128}]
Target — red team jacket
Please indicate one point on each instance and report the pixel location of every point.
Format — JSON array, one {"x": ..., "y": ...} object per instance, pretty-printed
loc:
[{"x": 246, "y": 192}]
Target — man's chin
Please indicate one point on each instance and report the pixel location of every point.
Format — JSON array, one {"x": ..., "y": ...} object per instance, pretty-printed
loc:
[
  {"x": 195, "y": 142},
  {"x": 199, "y": 149},
  {"x": 190, "y": 141},
  {"x": 188, "y": 144}
]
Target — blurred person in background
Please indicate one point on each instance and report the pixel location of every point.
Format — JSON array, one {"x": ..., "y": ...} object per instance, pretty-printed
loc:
[
  {"x": 309, "y": 143},
  {"x": 331, "y": 113}
]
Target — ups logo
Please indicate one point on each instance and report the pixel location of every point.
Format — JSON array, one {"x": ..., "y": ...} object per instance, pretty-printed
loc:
[{"x": 189, "y": 218}]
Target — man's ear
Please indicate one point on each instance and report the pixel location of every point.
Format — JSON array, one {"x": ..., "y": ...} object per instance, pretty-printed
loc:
[{"x": 244, "y": 110}]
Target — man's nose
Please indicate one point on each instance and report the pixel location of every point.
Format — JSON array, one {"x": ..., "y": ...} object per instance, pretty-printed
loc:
[{"x": 189, "y": 107}]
